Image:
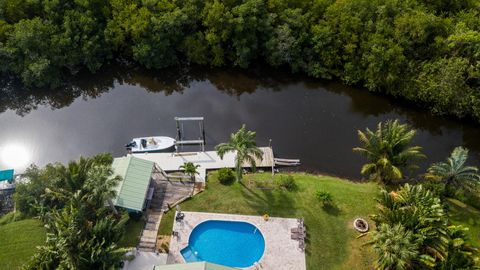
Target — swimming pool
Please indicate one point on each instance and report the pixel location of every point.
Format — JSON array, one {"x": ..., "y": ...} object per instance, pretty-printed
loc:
[{"x": 229, "y": 243}]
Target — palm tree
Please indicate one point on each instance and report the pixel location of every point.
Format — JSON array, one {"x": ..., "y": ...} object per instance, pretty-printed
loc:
[
  {"x": 388, "y": 151},
  {"x": 243, "y": 144},
  {"x": 81, "y": 232},
  {"x": 454, "y": 173},
  {"x": 190, "y": 169},
  {"x": 80, "y": 237},
  {"x": 461, "y": 254},
  {"x": 420, "y": 212},
  {"x": 92, "y": 178},
  {"x": 395, "y": 246}
]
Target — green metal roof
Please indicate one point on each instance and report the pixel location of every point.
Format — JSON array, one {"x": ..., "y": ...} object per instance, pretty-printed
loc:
[
  {"x": 135, "y": 173},
  {"x": 193, "y": 266}
]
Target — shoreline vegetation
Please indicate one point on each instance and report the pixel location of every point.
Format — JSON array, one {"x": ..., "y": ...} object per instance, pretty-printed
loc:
[{"x": 423, "y": 52}]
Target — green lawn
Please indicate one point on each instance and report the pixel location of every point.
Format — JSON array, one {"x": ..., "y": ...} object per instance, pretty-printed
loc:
[
  {"x": 18, "y": 241},
  {"x": 462, "y": 214},
  {"x": 331, "y": 241},
  {"x": 133, "y": 229}
]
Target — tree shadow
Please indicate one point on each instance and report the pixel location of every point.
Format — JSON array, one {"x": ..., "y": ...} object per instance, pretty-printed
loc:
[
  {"x": 274, "y": 202},
  {"x": 331, "y": 209}
]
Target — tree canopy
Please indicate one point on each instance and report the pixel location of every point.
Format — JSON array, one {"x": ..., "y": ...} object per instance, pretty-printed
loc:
[
  {"x": 82, "y": 233},
  {"x": 388, "y": 151},
  {"x": 424, "y": 51},
  {"x": 414, "y": 232},
  {"x": 243, "y": 143}
]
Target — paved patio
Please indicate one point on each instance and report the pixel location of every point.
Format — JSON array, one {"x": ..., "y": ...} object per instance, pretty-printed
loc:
[
  {"x": 281, "y": 252},
  {"x": 145, "y": 260}
]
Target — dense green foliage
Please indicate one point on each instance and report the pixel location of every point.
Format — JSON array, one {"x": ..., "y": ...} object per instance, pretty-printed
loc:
[
  {"x": 243, "y": 144},
  {"x": 190, "y": 169},
  {"x": 424, "y": 51},
  {"x": 70, "y": 199},
  {"x": 226, "y": 176},
  {"x": 414, "y": 232},
  {"x": 454, "y": 173},
  {"x": 388, "y": 151}
]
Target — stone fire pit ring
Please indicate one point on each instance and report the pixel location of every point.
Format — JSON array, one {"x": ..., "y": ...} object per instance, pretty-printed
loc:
[{"x": 360, "y": 225}]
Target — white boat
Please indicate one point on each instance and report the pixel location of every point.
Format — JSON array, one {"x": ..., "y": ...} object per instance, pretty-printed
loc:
[{"x": 151, "y": 144}]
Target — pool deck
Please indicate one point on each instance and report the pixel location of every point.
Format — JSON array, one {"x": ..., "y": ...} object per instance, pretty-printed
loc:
[{"x": 281, "y": 252}]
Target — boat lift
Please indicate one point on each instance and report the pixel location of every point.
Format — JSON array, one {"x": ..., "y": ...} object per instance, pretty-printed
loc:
[{"x": 180, "y": 139}]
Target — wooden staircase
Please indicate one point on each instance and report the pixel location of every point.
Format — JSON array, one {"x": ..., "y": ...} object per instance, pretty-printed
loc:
[{"x": 148, "y": 240}]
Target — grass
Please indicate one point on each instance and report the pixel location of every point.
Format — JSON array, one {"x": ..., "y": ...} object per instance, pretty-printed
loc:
[
  {"x": 462, "y": 214},
  {"x": 19, "y": 239},
  {"x": 331, "y": 243},
  {"x": 133, "y": 229},
  {"x": 18, "y": 242}
]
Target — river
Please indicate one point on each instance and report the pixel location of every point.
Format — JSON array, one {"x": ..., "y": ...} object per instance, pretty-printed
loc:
[{"x": 308, "y": 119}]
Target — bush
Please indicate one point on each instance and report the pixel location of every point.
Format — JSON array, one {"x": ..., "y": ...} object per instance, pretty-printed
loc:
[
  {"x": 436, "y": 187},
  {"x": 288, "y": 183},
  {"x": 11, "y": 217},
  {"x": 226, "y": 176},
  {"x": 472, "y": 199},
  {"x": 324, "y": 197}
]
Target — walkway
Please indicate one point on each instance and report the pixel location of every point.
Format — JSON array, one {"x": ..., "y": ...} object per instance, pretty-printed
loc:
[
  {"x": 208, "y": 160},
  {"x": 145, "y": 260},
  {"x": 148, "y": 240}
]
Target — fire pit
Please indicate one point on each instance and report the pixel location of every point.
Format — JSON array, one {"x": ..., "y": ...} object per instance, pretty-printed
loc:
[{"x": 360, "y": 225}]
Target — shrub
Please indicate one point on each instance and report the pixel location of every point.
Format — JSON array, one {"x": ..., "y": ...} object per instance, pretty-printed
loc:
[
  {"x": 11, "y": 217},
  {"x": 324, "y": 197},
  {"x": 287, "y": 183},
  {"x": 437, "y": 188},
  {"x": 226, "y": 176},
  {"x": 472, "y": 199}
]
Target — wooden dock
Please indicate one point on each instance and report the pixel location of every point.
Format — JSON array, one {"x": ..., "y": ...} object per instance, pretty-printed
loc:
[{"x": 208, "y": 160}]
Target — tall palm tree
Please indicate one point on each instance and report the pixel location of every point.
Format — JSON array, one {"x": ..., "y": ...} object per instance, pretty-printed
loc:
[
  {"x": 190, "y": 169},
  {"x": 395, "y": 246},
  {"x": 454, "y": 173},
  {"x": 243, "y": 144},
  {"x": 388, "y": 151}
]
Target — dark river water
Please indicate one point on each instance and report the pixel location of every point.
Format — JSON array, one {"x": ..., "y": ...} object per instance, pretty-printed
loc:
[{"x": 305, "y": 118}]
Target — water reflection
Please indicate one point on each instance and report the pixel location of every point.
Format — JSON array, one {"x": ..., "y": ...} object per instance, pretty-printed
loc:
[
  {"x": 307, "y": 119},
  {"x": 15, "y": 155}
]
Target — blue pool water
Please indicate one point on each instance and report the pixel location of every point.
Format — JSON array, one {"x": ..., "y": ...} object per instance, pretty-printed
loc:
[{"x": 229, "y": 243}]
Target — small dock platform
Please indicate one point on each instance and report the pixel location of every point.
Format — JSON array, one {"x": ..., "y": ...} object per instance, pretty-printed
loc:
[{"x": 208, "y": 160}]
